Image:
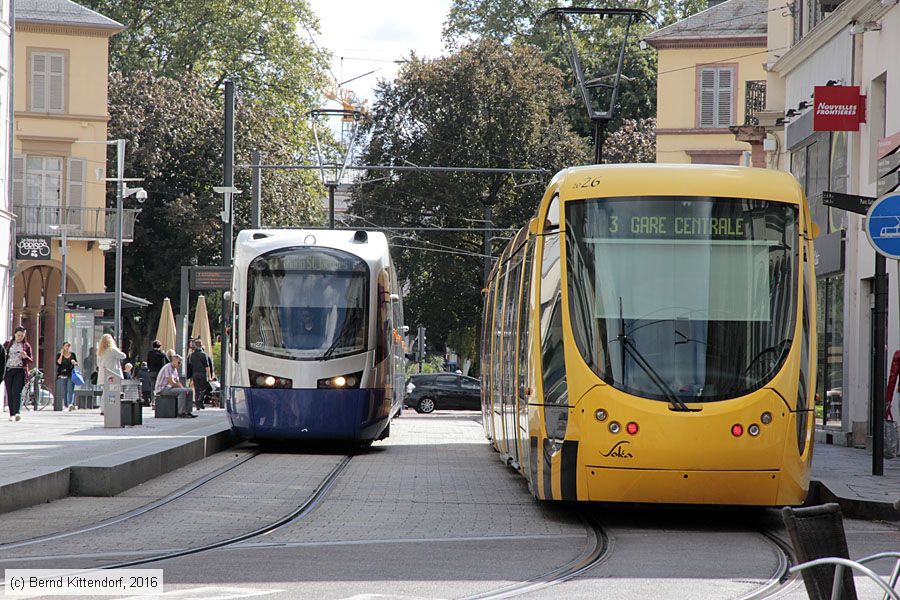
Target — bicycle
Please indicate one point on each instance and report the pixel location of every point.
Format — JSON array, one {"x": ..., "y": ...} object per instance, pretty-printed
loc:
[{"x": 34, "y": 380}]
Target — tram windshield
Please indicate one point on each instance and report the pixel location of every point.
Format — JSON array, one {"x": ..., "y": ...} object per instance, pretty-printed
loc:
[
  {"x": 307, "y": 304},
  {"x": 686, "y": 296}
]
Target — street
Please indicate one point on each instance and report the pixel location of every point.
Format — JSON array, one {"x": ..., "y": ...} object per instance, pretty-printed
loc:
[{"x": 429, "y": 513}]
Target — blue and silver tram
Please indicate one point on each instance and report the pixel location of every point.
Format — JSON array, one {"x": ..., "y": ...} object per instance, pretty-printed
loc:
[{"x": 316, "y": 351}]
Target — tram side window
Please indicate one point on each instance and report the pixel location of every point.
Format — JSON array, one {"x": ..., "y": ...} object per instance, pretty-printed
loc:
[
  {"x": 497, "y": 350},
  {"x": 383, "y": 326},
  {"x": 509, "y": 328},
  {"x": 524, "y": 329},
  {"x": 553, "y": 365},
  {"x": 486, "y": 334}
]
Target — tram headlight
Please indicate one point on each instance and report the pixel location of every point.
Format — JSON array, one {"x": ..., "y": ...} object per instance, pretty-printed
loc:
[
  {"x": 766, "y": 418},
  {"x": 601, "y": 414},
  {"x": 340, "y": 382},
  {"x": 264, "y": 380},
  {"x": 753, "y": 430},
  {"x": 614, "y": 427}
]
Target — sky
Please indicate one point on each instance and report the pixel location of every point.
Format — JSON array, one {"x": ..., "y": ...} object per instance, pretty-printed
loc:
[{"x": 371, "y": 35}]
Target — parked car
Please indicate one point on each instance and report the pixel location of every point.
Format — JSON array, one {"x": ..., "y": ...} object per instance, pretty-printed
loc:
[{"x": 442, "y": 391}]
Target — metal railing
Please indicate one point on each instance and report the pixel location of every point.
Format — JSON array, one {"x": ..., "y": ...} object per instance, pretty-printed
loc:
[
  {"x": 83, "y": 223},
  {"x": 754, "y": 101}
]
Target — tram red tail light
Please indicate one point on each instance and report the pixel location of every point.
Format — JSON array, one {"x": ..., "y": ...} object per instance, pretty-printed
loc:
[
  {"x": 737, "y": 430},
  {"x": 632, "y": 428}
]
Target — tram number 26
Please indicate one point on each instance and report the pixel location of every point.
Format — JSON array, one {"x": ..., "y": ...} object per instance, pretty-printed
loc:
[{"x": 587, "y": 182}]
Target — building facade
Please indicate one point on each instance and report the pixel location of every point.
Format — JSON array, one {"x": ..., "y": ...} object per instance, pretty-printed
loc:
[
  {"x": 59, "y": 162},
  {"x": 7, "y": 218},
  {"x": 710, "y": 82},
  {"x": 840, "y": 44}
]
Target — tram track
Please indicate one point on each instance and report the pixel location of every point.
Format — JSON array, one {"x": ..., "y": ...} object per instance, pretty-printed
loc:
[
  {"x": 136, "y": 512},
  {"x": 307, "y": 506},
  {"x": 598, "y": 551},
  {"x": 781, "y": 578}
]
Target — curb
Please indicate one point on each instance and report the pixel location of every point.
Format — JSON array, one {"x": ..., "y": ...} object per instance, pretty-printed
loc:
[
  {"x": 102, "y": 477},
  {"x": 854, "y": 508}
]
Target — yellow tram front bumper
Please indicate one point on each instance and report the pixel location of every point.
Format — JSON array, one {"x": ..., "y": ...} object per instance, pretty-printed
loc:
[{"x": 747, "y": 488}]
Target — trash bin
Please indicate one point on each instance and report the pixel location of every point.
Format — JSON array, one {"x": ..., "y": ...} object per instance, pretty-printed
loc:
[
  {"x": 112, "y": 406},
  {"x": 131, "y": 397},
  {"x": 126, "y": 412}
]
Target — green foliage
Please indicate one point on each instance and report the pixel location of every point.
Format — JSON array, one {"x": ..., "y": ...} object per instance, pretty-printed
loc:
[
  {"x": 462, "y": 339},
  {"x": 486, "y": 105},
  {"x": 175, "y": 140},
  {"x": 633, "y": 142},
  {"x": 597, "y": 40}
]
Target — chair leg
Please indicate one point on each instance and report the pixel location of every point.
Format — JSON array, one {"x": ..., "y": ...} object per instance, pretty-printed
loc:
[{"x": 836, "y": 585}]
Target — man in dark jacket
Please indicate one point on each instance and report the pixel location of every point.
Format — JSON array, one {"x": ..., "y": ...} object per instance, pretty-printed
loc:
[
  {"x": 200, "y": 371},
  {"x": 156, "y": 359}
]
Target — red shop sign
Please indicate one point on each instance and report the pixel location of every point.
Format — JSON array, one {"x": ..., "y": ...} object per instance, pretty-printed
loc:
[{"x": 838, "y": 108}]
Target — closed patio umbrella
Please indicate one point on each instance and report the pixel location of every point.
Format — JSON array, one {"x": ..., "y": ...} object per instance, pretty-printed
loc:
[
  {"x": 201, "y": 328},
  {"x": 166, "y": 331}
]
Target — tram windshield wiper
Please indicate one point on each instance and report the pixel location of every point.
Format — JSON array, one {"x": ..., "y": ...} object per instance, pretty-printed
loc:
[
  {"x": 348, "y": 323},
  {"x": 631, "y": 349}
]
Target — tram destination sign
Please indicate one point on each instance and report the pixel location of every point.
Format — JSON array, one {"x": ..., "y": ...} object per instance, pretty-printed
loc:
[
  {"x": 849, "y": 202},
  {"x": 210, "y": 278}
]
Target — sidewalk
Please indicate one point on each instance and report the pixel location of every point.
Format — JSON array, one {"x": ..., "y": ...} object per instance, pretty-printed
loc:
[
  {"x": 844, "y": 475},
  {"x": 49, "y": 455}
]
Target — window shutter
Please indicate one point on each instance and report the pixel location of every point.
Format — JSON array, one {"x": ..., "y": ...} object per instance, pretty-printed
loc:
[
  {"x": 56, "y": 92},
  {"x": 38, "y": 82},
  {"x": 75, "y": 169},
  {"x": 723, "y": 104},
  {"x": 707, "y": 97},
  {"x": 18, "y": 187}
]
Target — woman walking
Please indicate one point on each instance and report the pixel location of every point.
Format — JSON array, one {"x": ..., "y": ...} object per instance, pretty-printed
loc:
[
  {"x": 18, "y": 357},
  {"x": 109, "y": 358},
  {"x": 65, "y": 364}
]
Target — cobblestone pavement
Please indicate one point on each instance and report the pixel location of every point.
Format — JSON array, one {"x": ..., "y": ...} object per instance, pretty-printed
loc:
[
  {"x": 847, "y": 473},
  {"x": 74, "y": 512},
  {"x": 253, "y": 494}
]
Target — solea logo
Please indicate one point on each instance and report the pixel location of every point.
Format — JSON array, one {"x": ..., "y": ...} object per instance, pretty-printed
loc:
[{"x": 618, "y": 451}]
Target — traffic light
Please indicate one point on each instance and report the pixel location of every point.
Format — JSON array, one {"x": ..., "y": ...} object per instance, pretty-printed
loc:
[{"x": 420, "y": 344}]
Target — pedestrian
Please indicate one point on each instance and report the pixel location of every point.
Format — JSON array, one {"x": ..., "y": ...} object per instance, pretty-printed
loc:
[
  {"x": 143, "y": 374},
  {"x": 127, "y": 371},
  {"x": 109, "y": 358},
  {"x": 18, "y": 357},
  {"x": 66, "y": 361},
  {"x": 200, "y": 372},
  {"x": 168, "y": 383},
  {"x": 156, "y": 359}
]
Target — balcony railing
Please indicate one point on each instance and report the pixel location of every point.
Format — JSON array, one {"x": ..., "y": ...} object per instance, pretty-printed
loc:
[
  {"x": 83, "y": 223},
  {"x": 754, "y": 101}
]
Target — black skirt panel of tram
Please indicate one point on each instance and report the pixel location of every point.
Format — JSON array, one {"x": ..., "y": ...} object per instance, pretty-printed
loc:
[
  {"x": 533, "y": 462},
  {"x": 548, "y": 472},
  {"x": 803, "y": 391},
  {"x": 568, "y": 475}
]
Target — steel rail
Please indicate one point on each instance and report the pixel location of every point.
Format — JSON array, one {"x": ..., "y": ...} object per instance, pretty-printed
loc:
[
  {"x": 598, "y": 552},
  {"x": 310, "y": 504},
  {"x": 136, "y": 512},
  {"x": 781, "y": 578}
]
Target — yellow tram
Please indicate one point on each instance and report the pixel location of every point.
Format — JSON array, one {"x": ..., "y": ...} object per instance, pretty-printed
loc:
[{"x": 649, "y": 337}]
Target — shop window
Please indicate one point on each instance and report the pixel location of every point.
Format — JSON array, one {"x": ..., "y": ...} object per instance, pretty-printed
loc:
[{"x": 830, "y": 367}]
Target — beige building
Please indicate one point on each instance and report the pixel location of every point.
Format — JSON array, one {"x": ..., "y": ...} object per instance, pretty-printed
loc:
[
  {"x": 710, "y": 82},
  {"x": 59, "y": 164}
]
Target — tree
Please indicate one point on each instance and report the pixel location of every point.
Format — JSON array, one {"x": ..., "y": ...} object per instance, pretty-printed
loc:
[
  {"x": 597, "y": 40},
  {"x": 633, "y": 142},
  {"x": 174, "y": 141},
  {"x": 486, "y": 105}
]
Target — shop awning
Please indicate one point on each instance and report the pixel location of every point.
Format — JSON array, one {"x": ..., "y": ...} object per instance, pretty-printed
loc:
[{"x": 104, "y": 300}]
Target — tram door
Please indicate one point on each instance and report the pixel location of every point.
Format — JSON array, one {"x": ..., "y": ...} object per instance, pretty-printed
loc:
[
  {"x": 510, "y": 329},
  {"x": 497, "y": 364},
  {"x": 522, "y": 374}
]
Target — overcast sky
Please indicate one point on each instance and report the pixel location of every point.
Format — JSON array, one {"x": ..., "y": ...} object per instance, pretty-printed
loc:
[{"x": 370, "y": 35}]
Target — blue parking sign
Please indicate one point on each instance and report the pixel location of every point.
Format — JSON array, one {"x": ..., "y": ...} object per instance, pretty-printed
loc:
[{"x": 883, "y": 225}]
